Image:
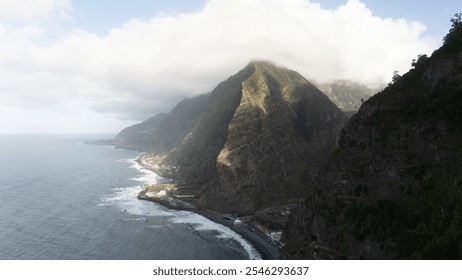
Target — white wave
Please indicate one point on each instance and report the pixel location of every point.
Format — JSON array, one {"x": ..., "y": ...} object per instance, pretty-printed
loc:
[
  {"x": 147, "y": 177},
  {"x": 155, "y": 226},
  {"x": 137, "y": 219},
  {"x": 126, "y": 200},
  {"x": 132, "y": 162},
  {"x": 201, "y": 223}
]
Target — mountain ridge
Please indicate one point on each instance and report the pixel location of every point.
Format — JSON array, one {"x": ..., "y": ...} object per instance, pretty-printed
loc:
[
  {"x": 280, "y": 100},
  {"x": 262, "y": 120},
  {"x": 348, "y": 95},
  {"x": 386, "y": 185},
  {"x": 164, "y": 131},
  {"x": 392, "y": 189}
]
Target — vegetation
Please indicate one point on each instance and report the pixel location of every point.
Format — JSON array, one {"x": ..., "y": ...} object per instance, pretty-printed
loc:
[
  {"x": 394, "y": 187},
  {"x": 348, "y": 96},
  {"x": 453, "y": 40}
]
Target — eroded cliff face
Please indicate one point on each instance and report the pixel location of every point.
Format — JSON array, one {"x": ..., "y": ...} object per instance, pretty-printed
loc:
[
  {"x": 258, "y": 143},
  {"x": 194, "y": 159},
  {"x": 393, "y": 189}
]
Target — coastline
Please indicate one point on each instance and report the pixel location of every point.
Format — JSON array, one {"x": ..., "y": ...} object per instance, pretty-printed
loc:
[
  {"x": 259, "y": 241},
  {"x": 267, "y": 248}
]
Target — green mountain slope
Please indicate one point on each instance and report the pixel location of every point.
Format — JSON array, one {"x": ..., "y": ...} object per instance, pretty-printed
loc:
[
  {"x": 162, "y": 133},
  {"x": 259, "y": 142},
  {"x": 139, "y": 136},
  {"x": 393, "y": 189},
  {"x": 347, "y": 95}
]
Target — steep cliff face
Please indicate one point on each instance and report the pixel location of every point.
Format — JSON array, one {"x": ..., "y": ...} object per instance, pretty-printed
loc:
[
  {"x": 177, "y": 124},
  {"x": 393, "y": 189},
  {"x": 281, "y": 132},
  {"x": 195, "y": 157},
  {"x": 258, "y": 143}
]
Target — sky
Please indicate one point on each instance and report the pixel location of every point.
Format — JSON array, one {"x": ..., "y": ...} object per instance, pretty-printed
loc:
[{"x": 98, "y": 66}]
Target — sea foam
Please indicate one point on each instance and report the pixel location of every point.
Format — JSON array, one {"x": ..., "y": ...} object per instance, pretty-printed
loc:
[
  {"x": 201, "y": 223},
  {"x": 126, "y": 199},
  {"x": 147, "y": 177}
]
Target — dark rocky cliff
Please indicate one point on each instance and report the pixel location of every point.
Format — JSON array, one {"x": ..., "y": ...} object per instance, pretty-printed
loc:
[{"x": 393, "y": 189}]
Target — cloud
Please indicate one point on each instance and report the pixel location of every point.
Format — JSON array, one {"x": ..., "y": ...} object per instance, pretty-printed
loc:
[
  {"x": 144, "y": 67},
  {"x": 29, "y": 10}
]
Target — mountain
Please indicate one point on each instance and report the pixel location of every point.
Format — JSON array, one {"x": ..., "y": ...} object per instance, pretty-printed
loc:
[
  {"x": 259, "y": 141},
  {"x": 393, "y": 188},
  {"x": 348, "y": 95},
  {"x": 138, "y": 137},
  {"x": 162, "y": 133}
]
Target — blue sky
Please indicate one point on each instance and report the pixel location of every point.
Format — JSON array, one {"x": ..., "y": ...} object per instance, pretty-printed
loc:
[
  {"x": 102, "y": 15},
  {"x": 434, "y": 14},
  {"x": 91, "y": 66}
]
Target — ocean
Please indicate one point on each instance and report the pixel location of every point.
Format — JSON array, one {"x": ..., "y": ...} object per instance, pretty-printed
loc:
[{"x": 64, "y": 200}]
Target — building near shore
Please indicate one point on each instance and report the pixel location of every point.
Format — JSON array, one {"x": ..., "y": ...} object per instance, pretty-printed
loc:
[{"x": 237, "y": 223}]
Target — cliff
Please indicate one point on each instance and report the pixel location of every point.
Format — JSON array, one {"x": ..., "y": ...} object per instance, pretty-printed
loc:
[
  {"x": 393, "y": 188},
  {"x": 282, "y": 131}
]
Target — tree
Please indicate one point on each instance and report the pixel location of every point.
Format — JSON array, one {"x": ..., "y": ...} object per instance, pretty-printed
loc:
[
  {"x": 420, "y": 59},
  {"x": 396, "y": 76},
  {"x": 456, "y": 22},
  {"x": 453, "y": 40}
]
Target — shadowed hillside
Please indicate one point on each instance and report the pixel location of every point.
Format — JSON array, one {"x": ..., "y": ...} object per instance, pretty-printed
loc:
[
  {"x": 258, "y": 142},
  {"x": 393, "y": 189}
]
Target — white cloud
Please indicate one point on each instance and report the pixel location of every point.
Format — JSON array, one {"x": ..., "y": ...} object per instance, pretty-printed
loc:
[{"x": 143, "y": 67}]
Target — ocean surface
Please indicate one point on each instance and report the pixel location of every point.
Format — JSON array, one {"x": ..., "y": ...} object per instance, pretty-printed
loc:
[{"x": 60, "y": 199}]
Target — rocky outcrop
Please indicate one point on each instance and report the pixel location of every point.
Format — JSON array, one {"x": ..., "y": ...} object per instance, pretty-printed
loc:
[{"x": 393, "y": 189}]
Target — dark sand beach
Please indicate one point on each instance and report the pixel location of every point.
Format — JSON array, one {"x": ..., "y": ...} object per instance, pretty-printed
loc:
[{"x": 163, "y": 194}]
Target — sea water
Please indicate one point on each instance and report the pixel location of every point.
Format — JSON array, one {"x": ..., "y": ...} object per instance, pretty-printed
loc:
[{"x": 60, "y": 199}]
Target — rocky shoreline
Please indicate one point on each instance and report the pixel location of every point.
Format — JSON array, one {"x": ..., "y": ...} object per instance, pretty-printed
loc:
[{"x": 163, "y": 195}]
